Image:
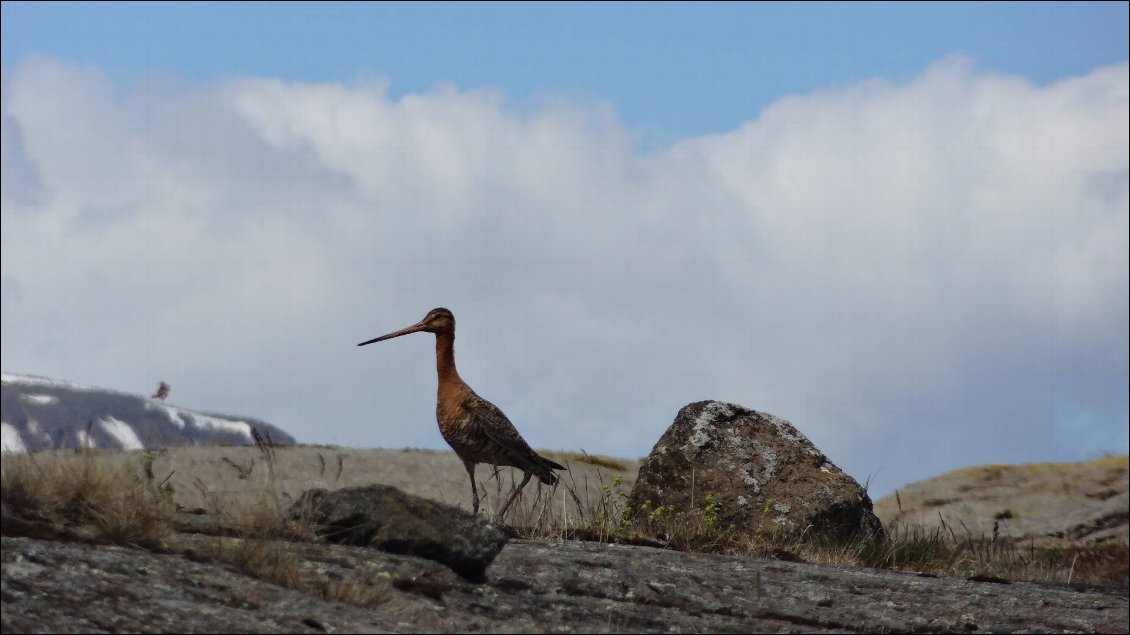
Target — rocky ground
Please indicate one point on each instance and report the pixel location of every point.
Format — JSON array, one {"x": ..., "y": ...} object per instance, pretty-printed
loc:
[
  {"x": 58, "y": 587},
  {"x": 69, "y": 581}
]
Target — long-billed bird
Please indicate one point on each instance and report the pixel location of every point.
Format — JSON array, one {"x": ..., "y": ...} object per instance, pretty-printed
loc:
[{"x": 474, "y": 427}]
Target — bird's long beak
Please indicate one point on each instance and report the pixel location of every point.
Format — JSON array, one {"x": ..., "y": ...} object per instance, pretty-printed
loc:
[{"x": 419, "y": 326}]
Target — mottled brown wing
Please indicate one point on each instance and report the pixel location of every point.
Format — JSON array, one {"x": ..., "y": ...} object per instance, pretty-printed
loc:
[
  {"x": 492, "y": 422},
  {"x": 512, "y": 448}
]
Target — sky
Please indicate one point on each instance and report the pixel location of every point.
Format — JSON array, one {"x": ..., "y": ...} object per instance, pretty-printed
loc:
[{"x": 904, "y": 228}]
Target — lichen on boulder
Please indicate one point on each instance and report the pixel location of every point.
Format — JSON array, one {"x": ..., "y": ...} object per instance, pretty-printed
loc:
[{"x": 756, "y": 471}]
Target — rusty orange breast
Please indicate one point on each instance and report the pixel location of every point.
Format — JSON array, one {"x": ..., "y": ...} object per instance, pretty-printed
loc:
[{"x": 451, "y": 406}]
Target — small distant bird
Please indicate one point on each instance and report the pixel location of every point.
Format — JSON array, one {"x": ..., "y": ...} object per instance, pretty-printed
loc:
[
  {"x": 474, "y": 427},
  {"x": 162, "y": 392}
]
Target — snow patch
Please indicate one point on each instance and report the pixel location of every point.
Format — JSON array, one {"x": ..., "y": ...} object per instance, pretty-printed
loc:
[
  {"x": 33, "y": 430},
  {"x": 42, "y": 400},
  {"x": 172, "y": 414},
  {"x": 36, "y": 380},
  {"x": 84, "y": 439},
  {"x": 122, "y": 432},
  {"x": 181, "y": 418},
  {"x": 241, "y": 428},
  {"x": 10, "y": 439}
]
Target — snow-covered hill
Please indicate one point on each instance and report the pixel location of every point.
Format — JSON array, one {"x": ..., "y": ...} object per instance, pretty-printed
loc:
[{"x": 40, "y": 413}]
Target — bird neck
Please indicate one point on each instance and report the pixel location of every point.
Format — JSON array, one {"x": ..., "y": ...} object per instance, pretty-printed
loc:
[{"x": 445, "y": 359}]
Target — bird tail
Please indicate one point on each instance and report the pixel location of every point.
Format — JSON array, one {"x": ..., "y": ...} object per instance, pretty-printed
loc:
[{"x": 543, "y": 469}]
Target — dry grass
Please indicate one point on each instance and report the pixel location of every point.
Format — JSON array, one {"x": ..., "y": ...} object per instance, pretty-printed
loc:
[
  {"x": 947, "y": 552},
  {"x": 98, "y": 495},
  {"x": 1039, "y": 521},
  {"x": 599, "y": 460},
  {"x": 932, "y": 551},
  {"x": 996, "y": 471},
  {"x": 122, "y": 503},
  {"x": 294, "y": 565},
  {"x": 272, "y": 546},
  {"x": 228, "y": 478},
  {"x": 261, "y": 552},
  {"x": 119, "y": 495}
]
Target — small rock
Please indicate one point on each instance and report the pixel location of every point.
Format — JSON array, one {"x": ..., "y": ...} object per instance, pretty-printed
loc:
[
  {"x": 315, "y": 624},
  {"x": 384, "y": 517}
]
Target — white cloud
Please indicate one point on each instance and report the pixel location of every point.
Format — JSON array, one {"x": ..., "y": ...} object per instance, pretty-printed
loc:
[{"x": 920, "y": 276}]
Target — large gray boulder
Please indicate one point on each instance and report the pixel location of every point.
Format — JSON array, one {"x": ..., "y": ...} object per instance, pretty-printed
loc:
[
  {"x": 759, "y": 472},
  {"x": 384, "y": 517}
]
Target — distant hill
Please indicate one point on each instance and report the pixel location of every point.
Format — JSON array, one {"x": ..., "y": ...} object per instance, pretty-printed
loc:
[
  {"x": 1056, "y": 503},
  {"x": 39, "y": 413}
]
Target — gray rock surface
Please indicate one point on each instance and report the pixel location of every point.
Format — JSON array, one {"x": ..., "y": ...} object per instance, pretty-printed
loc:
[
  {"x": 49, "y": 586},
  {"x": 62, "y": 587},
  {"x": 391, "y": 520},
  {"x": 759, "y": 471}
]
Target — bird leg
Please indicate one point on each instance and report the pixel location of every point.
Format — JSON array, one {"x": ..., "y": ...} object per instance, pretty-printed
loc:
[
  {"x": 513, "y": 495},
  {"x": 470, "y": 465}
]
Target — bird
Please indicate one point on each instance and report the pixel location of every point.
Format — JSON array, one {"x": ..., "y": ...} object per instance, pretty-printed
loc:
[{"x": 475, "y": 428}]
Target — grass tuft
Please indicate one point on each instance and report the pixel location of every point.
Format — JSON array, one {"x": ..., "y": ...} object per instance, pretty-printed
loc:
[
  {"x": 122, "y": 503},
  {"x": 599, "y": 460},
  {"x": 600, "y": 512}
]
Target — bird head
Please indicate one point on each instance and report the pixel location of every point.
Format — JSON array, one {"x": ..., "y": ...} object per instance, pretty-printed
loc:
[{"x": 437, "y": 321}]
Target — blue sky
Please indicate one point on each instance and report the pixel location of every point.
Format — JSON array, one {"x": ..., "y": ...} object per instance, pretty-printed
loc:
[
  {"x": 670, "y": 70},
  {"x": 904, "y": 228}
]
